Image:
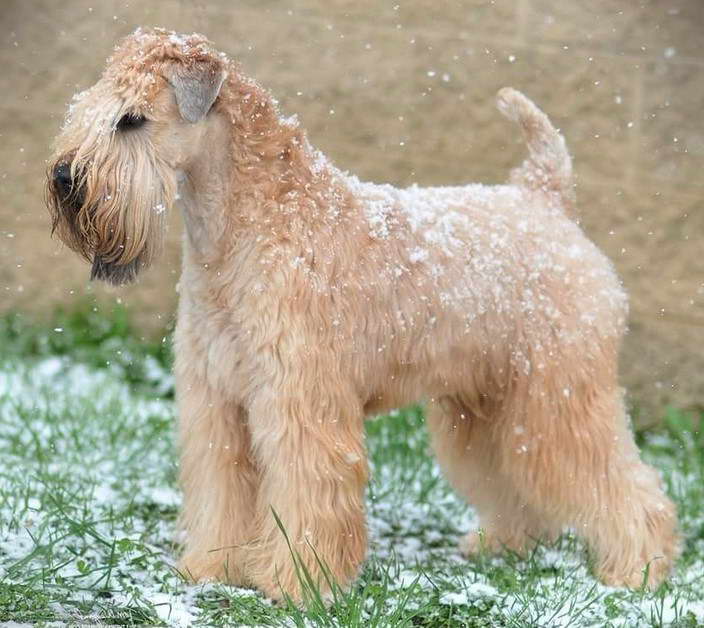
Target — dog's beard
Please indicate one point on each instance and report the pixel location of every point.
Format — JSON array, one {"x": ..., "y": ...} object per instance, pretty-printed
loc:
[
  {"x": 114, "y": 216},
  {"x": 113, "y": 273}
]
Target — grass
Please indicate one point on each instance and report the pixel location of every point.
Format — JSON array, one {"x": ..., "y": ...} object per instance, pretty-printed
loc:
[{"x": 88, "y": 502}]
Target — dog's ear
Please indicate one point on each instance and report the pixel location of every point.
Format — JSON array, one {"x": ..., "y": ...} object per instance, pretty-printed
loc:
[{"x": 196, "y": 87}]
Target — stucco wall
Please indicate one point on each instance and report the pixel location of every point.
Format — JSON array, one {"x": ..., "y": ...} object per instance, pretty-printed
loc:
[{"x": 403, "y": 92}]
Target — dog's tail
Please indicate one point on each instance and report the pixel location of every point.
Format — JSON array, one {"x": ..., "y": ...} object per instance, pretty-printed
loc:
[{"x": 549, "y": 165}]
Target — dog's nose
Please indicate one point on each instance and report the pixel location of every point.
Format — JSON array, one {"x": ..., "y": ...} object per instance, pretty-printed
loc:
[{"x": 62, "y": 178}]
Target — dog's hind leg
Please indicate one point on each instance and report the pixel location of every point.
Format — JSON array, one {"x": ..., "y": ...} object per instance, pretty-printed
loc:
[
  {"x": 468, "y": 454},
  {"x": 564, "y": 446},
  {"x": 582, "y": 468}
]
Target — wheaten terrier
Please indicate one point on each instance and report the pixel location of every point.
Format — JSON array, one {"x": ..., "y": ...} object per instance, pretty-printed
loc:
[{"x": 310, "y": 299}]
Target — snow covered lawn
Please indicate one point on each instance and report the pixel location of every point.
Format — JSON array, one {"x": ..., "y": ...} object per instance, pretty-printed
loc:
[{"x": 88, "y": 502}]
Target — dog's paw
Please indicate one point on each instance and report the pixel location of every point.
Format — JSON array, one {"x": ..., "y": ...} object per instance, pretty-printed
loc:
[
  {"x": 643, "y": 560},
  {"x": 649, "y": 577},
  {"x": 198, "y": 569},
  {"x": 279, "y": 587},
  {"x": 478, "y": 542},
  {"x": 648, "y": 574}
]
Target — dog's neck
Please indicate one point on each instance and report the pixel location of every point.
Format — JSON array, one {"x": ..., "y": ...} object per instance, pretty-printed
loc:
[
  {"x": 254, "y": 165},
  {"x": 203, "y": 187}
]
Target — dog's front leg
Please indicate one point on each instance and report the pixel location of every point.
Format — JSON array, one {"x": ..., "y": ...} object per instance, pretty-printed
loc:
[
  {"x": 219, "y": 480},
  {"x": 308, "y": 441}
]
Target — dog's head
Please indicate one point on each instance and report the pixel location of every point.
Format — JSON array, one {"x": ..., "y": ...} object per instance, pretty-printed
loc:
[{"x": 124, "y": 143}]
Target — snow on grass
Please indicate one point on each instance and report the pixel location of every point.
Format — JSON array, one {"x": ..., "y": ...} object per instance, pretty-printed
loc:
[{"x": 88, "y": 503}]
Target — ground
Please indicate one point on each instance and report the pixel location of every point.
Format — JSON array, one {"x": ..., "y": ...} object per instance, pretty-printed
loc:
[{"x": 88, "y": 503}]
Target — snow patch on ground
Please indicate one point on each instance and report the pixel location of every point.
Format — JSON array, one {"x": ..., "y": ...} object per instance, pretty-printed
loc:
[{"x": 89, "y": 501}]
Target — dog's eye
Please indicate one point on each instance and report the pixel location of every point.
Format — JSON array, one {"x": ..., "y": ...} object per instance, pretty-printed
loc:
[{"x": 130, "y": 121}]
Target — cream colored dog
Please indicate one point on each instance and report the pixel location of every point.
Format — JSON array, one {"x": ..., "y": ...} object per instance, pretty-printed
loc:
[{"x": 310, "y": 299}]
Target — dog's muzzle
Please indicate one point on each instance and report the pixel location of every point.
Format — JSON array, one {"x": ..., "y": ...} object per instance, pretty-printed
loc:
[
  {"x": 69, "y": 199},
  {"x": 70, "y": 196},
  {"x": 62, "y": 179}
]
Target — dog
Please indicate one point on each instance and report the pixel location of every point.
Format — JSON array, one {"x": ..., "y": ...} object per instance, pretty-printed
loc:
[{"x": 310, "y": 300}]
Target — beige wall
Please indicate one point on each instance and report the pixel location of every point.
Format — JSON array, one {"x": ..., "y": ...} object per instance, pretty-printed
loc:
[{"x": 403, "y": 92}]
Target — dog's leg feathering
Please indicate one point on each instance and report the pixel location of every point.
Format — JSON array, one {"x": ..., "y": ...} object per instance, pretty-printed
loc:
[
  {"x": 308, "y": 440},
  {"x": 219, "y": 481},
  {"x": 470, "y": 458},
  {"x": 570, "y": 462}
]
